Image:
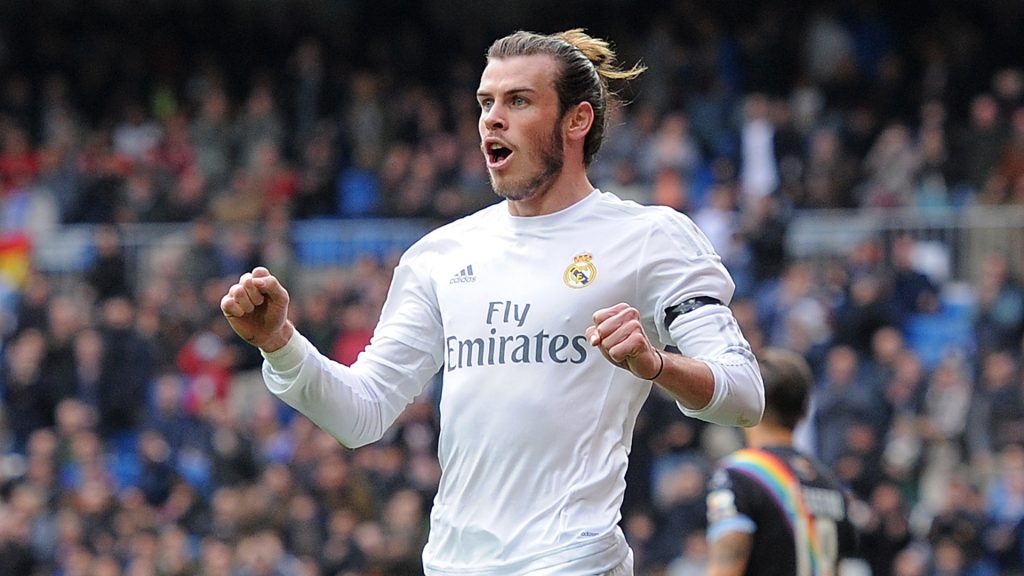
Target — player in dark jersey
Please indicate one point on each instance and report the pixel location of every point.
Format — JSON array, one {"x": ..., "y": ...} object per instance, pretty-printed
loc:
[{"x": 771, "y": 509}]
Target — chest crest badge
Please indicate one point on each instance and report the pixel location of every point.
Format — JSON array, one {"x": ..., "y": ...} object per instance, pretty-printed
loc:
[{"x": 582, "y": 272}]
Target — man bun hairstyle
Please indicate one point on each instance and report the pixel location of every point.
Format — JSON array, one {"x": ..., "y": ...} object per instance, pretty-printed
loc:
[{"x": 588, "y": 64}]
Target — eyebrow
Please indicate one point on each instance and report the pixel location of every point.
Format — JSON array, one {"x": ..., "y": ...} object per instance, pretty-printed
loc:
[{"x": 509, "y": 92}]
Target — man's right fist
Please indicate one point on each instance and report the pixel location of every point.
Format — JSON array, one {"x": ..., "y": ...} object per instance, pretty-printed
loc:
[{"x": 257, "y": 309}]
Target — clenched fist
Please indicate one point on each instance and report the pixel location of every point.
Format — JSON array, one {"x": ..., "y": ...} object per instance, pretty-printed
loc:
[
  {"x": 257, "y": 309},
  {"x": 619, "y": 335}
]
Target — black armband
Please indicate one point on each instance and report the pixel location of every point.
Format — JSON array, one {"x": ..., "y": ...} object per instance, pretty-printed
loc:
[{"x": 688, "y": 305}]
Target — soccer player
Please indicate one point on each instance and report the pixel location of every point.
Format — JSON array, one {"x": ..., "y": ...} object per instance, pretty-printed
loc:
[
  {"x": 772, "y": 510},
  {"x": 518, "y": 305}
]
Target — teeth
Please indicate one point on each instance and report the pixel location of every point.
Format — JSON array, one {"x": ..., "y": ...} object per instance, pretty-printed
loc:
[{"x": 496, "y": 146}]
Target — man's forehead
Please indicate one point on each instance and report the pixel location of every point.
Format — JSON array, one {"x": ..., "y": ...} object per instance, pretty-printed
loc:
[{"x": 535, "y": 71}]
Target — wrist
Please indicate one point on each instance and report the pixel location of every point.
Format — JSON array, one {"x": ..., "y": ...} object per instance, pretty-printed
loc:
[
  {"x": 661, "y": 365},
  {"x": 278, "y": 339}
]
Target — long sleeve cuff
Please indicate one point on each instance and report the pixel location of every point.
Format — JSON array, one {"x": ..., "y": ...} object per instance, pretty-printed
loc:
[
  {"x": 289, "y": 356},
  {"x": 738, "y": 399}
]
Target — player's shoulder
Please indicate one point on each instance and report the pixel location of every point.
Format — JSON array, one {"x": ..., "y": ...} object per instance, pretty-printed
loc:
[
  {"x": 611, "y": 205},
  {"x": 458, "y": 231},
  {"x": 758, "y": 463},
  {"x": 674, "y": 228}
]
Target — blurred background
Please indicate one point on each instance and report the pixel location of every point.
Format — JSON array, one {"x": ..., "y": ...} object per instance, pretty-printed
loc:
[{"x": 859, "y": 166}]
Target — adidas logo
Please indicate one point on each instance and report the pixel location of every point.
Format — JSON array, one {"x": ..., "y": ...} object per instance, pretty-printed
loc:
[{"x": 463, "y": 276}]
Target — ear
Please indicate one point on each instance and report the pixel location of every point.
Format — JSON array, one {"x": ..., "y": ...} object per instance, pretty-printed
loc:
[{"x": 579, "y": 119}]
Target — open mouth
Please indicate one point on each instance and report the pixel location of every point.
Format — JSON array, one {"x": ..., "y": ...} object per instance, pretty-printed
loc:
[{"x": 497, "y": 154}]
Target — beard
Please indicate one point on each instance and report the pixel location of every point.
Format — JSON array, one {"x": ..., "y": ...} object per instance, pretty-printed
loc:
[{"x": 551, "y": 160}]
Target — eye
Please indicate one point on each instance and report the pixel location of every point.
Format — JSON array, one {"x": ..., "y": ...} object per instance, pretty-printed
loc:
[
  {"x": 518, "y": 101},
  {"x": 486, "y": 103}
]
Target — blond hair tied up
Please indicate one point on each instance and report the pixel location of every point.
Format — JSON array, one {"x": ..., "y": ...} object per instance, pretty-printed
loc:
[
  {"x": 587, "y": 66},
  {"x": 600, "y": 54}
]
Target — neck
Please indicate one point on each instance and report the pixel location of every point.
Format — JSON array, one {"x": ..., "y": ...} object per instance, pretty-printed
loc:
[
  {"x": 768, "y": 435},
  {"x": 567, "y": 189}
]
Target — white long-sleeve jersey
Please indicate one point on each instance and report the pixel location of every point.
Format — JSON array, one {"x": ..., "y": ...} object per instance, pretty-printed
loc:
[{"x": 536, "y": 425}]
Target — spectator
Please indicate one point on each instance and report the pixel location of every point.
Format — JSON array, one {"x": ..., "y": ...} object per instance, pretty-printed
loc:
[
  {"x": 981, "y": 141},
  {"x": 719, "y": 219},
  {"x": 358, "y": 191},
  {"x": 207, "y": 363},
  {"x": 672, "y": 147},
  {"x": 58, "y": 372},
  {"x": 126, "y": 369},
  {"x": 840, "y": 402},
  {"x": 30, "y": 310},
  {"x": 863, "y": 313},
  {"x": 1011, "y": 159},
  {"x": 15, "y": 551},
  {"x": 693, "y": 558},
  {"x": 210, "y": 134},
  {"x": 215, "y": 557},
  {"x": 1004, "y": 500},
  {"x": 234, "y": 463},
  {"x": 340, "y": 553},
  {"x": 944, "y": 415},
  {"x": 626, "y": 180},
  {"x": 364, "y": 118},
  {"x": 317, "y": 172},
  {"x": 166, "y": 414},
  {"x": 909, "y": 291},
  {"x": 999, "y": 319},
  {"x": 996, "y": 410},
  {"x": 203, "y": 262},
  {"x": 935, "y": 179},
  {"x": 680, "y": 510},
  {"x": 156, "y": 475},
  {"x": 890, "y": 166},
  {"x": 886, "y": 531},
  {"x": 759, "y": 175},
  {"x": 670, "y": 189},
  {"x": 100, "y": 174},
  {"x": 259, "y": 122},
  {"x": 764, "y": 227},
  {"x": 830, "y": 172},
  {"x": 237, "y": 250},
  {"x": 136, "y": 136},
  {"x": 186, "y": 199},
  {"x": 887, "y": 345},
  {"x": 273, "y": 179},
  {"x": 237, "y": 201},
  {"x": 791, "y": 313},
  {"x": 88, "y": 355},
  {"x": 956, "y": 530},
  {"x": 144, "y": 189},
  {"x": 23, "y": 400},
  {"x": 176, "y": 153},
  {"x": 317, "y": 319},
  {"x": 108, "y": 276},
  {"x": 309, "y": 99},
  {"x": 19, "y": 163}
]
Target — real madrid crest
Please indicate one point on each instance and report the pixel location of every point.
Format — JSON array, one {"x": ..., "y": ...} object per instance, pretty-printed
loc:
[{"x": 582, "y": 272}]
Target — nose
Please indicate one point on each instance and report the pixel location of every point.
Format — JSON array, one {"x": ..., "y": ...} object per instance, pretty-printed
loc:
[{"x": 493, "y": 118}]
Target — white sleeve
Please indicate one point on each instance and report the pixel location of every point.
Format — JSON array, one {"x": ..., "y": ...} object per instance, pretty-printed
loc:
[
  {"x": 710, "y": 334},
  {"x": 357, "y": 404},
  {"x": 679, "y": 263}
]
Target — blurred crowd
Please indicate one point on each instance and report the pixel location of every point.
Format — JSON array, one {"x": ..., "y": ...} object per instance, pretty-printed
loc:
[{"x": 136, "y": 436}]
